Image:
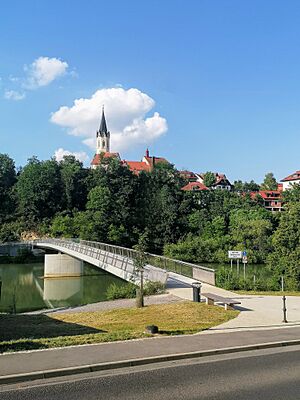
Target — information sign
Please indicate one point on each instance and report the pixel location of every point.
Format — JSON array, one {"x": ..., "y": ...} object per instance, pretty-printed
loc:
[{"x": 234, "y": 254}]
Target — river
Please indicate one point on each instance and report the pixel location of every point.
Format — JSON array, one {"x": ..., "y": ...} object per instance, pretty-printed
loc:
[{"x": 23, "y": 288}]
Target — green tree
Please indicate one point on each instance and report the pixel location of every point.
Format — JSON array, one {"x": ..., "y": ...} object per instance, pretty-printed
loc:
[
  {"x": 251, "y": 229},
  {"x": 292, "y": 195},
  {"x": 7, "y": 181},
  {"x": 39, "y": 189},
  {"x": 139, "y": 262},
  {"x": 159, "y": 206},
  {"x": 209, "y": 179},
  {"x": 269, "y": 182},
  {"x": 63, "y": 226},
  {"x": 251, "y": 186},
  {"x": 74, "y": 178},
  {"x": 284, "y": 260}
]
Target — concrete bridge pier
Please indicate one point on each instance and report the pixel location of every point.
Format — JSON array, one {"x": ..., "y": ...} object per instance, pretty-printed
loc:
[{"x": 62, "y": 265}]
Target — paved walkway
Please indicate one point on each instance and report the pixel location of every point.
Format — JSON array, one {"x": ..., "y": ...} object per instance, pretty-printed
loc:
[
  {"x": 256, "y": 312},
  {"x": 44, "y": 360},
  {"x": 113, "y": 304}
]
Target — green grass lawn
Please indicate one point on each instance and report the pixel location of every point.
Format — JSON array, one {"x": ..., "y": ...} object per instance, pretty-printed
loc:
[
  {"x": 261, "y": 293},
  {"x": 25, "y": 332}
]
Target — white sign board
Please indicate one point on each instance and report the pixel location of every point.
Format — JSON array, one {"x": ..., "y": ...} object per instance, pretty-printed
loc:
[{"x": 234, "y": 254}]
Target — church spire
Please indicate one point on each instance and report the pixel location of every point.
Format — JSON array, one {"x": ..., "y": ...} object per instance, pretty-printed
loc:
[
  {"x": 103, "y": 136},
  {"x": 103, "y": 127}
]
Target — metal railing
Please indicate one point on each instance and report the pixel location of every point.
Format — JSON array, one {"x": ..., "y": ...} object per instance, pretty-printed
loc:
[{"x": 101, "y": 250}]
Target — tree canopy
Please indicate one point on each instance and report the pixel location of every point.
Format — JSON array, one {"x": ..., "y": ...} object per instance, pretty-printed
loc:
[
  {"x": 111, "y": 204},
  {"x": 269, "y": 182}
]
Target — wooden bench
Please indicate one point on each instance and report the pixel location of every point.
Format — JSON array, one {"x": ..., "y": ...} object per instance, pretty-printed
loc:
[{"x": 212, "y": 298}]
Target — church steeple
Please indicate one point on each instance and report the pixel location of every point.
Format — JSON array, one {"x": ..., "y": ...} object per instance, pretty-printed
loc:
[
  {"x": 103, "y": 136},
  {"x": 103, "y": 127}
]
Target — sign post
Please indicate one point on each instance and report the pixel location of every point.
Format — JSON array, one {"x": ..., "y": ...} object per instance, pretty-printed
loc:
[
  {"x": 284, "y": 301},
  {"x": 235, "y": 255},
  {"x": 245, "y": 260}
]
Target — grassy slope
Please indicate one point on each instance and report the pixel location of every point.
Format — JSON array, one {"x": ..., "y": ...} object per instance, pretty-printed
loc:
[{"x": 21, "y": 332}]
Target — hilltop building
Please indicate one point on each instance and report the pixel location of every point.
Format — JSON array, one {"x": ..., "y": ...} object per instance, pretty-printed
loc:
[
  {"x": 290, "y": 180},
  {"x": 221, "y": 182},
  {"x": 188, "y": 176},
  {"x": 103, "y": 152},
  {"x": 147, "y": 164},
  {"x": 272, "y": 199},
  {"x": 196, "y": 181}
]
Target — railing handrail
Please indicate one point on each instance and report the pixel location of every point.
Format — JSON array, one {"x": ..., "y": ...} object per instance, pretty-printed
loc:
[{"x": 132, "y": 251}]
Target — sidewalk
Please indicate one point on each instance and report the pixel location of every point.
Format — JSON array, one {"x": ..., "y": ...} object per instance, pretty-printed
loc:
[
  {"x": 256, "y": 312},
  {"x": 53, "y": 359}
]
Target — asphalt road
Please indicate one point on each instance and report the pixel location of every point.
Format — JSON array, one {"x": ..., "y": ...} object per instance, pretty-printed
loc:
[{"x": 258, "y": 375}]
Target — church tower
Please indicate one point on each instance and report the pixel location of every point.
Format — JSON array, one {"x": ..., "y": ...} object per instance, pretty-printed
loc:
[{"x": 103, "y": 137}]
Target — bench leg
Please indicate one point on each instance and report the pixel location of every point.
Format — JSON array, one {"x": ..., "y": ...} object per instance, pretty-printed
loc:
[
  {"x": 228, "y": 307},
  {"x": 210, "y": 301}
]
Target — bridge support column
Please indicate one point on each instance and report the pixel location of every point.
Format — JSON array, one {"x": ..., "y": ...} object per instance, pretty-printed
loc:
[{"x": 62, "y": 265}]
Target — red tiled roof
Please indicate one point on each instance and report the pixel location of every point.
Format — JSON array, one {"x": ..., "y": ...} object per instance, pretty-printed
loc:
[
  {"x": 154, "y": 160},
  {"x": 293, "y": 177},
  {"x": 187, "y": 174},
  {"x": 98, "y": 157},
  {"x": 137, "y": 166},
  {"x": 267, "y": 194},
  {"x": 194, "y": 186}
]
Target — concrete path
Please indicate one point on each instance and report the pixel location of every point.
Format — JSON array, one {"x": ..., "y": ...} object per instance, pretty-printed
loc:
[
  {"x": 68, "y": 357},
  {"x": 113, "y": 304},
  {"x": 256, "y": 312}
]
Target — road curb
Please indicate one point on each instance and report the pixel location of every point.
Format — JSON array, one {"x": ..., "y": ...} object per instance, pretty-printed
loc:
[{"x": 17, "y": 378}]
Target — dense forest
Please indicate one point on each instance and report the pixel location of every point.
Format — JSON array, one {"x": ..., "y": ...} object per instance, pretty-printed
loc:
[{"x": 113, "y": 205}]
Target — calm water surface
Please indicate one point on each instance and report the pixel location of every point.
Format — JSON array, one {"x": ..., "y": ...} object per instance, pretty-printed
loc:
[{"x": 24, "y": 289}]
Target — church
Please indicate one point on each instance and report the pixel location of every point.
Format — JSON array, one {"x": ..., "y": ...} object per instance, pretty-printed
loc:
[{"x": 103, "y": 152}]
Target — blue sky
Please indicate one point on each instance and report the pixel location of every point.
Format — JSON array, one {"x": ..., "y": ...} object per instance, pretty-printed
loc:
[{"x": 223, "y": 76}]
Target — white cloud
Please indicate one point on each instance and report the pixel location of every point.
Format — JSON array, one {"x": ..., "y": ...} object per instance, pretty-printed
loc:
[
  {"x": 14, "y": 95},
  {"x": 13, "y": 78},
  {"x": 43, "y": 71},
  {"x": 125, "y": 112},
  {"x": 60, "y": 153}
]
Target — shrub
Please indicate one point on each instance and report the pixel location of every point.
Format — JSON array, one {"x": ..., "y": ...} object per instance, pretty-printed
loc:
[
  {"x": 127, "y": 291},
  {"x": 151, "y": 288}
]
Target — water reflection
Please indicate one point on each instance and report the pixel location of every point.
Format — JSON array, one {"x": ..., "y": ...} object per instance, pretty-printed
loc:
[
  {"x": 24, "y": 289},
  {"x": 63, "y": 290}
]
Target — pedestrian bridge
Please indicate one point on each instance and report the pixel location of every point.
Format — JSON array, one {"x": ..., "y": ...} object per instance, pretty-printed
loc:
[{"x": 116, "y": 260}]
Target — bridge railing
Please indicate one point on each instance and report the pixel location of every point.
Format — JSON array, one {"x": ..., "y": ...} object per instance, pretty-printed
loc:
[{"x": 168, "y": 264}]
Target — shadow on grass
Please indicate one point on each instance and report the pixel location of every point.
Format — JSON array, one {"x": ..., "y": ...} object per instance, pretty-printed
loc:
[
  {"x": 27, "y": 327},
  {"x": 21, "y": 346}
]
